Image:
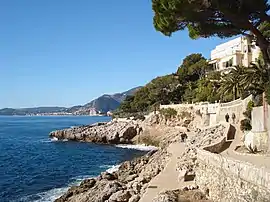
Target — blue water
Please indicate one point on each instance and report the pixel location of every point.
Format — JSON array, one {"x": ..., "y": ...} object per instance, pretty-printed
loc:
[{"x": 34, "y": 168}]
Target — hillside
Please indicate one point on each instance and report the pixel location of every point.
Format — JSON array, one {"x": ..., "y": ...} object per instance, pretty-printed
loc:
[
  {"x": 102, "y": 104},
  {"x": 28, "y": 111},
  {"x": 107, "y": 102}
]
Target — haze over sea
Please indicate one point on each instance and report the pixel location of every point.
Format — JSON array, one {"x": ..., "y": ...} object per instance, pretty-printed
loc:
[{"x": 35, "y": 168}]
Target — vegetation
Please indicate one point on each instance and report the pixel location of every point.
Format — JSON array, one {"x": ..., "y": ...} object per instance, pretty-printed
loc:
[
  {"x": 252, "y": 150},
  {"x": 193, "y": 83},
  {"x": 222, "y": 18},
  {"x": 168, "y": 113},
  {"x": 245, "y": 124},
  {"x": 230, "y": 83},
  {"x": 188, "y": 84}
]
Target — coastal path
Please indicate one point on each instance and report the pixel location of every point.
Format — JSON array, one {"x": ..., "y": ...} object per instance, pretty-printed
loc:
[{"x": 169, "y": 178}]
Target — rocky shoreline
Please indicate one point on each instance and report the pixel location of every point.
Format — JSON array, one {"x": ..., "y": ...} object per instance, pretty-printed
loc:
[
  {"x": 126, "y": 184},
  {"x": 131, "y": 181},
  {"x": 113, "y": 132}
]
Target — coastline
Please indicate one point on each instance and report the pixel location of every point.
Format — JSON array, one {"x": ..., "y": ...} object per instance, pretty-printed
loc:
[{"x": 135, "y": 180}]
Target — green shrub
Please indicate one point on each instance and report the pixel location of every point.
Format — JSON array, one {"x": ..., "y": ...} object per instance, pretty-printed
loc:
[
  {"x": 249, "y": 108},
  {"x": 245, "y": 125},
  {"x": 252, "y": 150},
  {"x": 185, "y": 114},
  {"x": 168, "y": 113},
  {"x": 139, "y": 117}
]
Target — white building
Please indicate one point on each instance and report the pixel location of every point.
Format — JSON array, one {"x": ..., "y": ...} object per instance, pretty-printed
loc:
[{"x": 240, "y": 51}]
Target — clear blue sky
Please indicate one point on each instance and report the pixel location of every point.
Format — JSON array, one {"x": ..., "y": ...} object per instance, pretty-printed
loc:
[{"x": 66, "y": 52}]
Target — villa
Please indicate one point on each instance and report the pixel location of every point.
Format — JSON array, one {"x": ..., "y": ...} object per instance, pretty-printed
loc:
[{"x": 240, "y": 51}]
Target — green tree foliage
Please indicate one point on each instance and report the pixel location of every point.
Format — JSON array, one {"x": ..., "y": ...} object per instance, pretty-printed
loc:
[
  {"x": 207, "y": 90},
  {"x": 254, "y": 78},
  {"x": 245, "y": 124},
  {"x": 168, "y": 113},
  {"x": 222, "y": 18},
  {"x": 231, "y": 82},
  {"x": 194, "y": 67},
  {"x": 187, "y": 85}
]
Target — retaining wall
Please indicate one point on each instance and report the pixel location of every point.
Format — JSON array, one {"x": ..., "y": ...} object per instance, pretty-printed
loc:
[
  {"x": 229, "y": 180},
  {"x": 215, "y": 112}
]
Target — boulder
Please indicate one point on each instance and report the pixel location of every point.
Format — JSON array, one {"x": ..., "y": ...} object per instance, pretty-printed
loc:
[
  {"x": 109, "y": 189},
  {"x": 120, "y": 196},
  {"x": 134, "y": 198}
]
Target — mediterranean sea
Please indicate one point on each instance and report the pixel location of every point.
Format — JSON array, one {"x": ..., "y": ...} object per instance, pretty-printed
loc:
[{"x": 36, "y": 168}]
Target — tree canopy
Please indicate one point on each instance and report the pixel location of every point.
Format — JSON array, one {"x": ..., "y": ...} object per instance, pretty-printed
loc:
[
  {"x": 222, "y": 18},
  {"x": 186, "y": 85}
]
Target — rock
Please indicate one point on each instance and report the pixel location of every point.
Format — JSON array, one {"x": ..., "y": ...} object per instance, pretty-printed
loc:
[
  {"x": 198, "y": 196},
  {"x": 88, "y": 183},
  {"x": 109, "y": 189},
  {"x": 134, "y": 198},
  {"x": 107, "y": 176},
  {"x": 167, "y": 196},
  {"x": 131, "y": 177},
  {"x": 113, "y": 132},
  {"x": 120, "y": 196}
]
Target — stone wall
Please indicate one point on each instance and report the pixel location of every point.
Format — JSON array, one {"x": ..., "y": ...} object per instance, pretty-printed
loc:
[
  {"x": 260, "y": 134},
  {"x": 214, "y": 113},
  {"x": 229, "y": 180},
  {"x": 237, "y": 107}
]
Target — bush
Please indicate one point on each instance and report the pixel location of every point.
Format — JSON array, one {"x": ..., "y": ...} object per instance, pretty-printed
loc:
[
  {"x": 185, "y": 114},
  {"x": 249, "y": 108},
  {"x": 168, "y": 113},
  {"x": 139, "y": 117},
  {"x": 245, "y": 125}
]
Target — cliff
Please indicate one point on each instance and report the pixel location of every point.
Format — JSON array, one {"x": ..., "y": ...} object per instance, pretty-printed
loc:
[{"x": 114, "y": 132}]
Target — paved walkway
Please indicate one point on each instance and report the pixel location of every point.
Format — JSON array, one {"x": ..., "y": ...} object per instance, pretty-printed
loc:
[
  {"x": 168, "y": 179},
  {"x": 261, "y": 161}
]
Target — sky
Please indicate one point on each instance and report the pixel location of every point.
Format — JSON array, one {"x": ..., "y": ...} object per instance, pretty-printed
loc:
[{"x": 66, "y": 52}]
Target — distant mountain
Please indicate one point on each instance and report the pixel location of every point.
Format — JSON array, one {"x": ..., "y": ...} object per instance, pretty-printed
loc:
[
  {"x": 28, "y": 111},
  {"x": 107, "y": 102},
  {"x": 102, "y": 104}
]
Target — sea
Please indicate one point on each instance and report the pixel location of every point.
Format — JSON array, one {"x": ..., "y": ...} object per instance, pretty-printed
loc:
[{"x": 34, "y": 168}]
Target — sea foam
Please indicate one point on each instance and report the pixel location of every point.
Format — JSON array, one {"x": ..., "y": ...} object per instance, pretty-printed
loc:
[
  {"x": 52, "y": 194},
  {"x": 54, "y": 139},
  {"x": 141, "y": 147}
]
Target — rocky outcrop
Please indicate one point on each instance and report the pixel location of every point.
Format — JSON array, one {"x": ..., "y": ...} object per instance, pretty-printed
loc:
[
  {"x": 201, "y": 138},
  {"x": 113, "y": 132},
  {"x": 125, "y": 185},
  {"x": 130, "y": 182},
  {"x": 180, "y": 196}
]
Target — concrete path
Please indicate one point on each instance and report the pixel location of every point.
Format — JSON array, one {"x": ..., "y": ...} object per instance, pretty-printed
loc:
[
  {"x": 261, "y": 161},
  {"x": 168, "y": 179}
]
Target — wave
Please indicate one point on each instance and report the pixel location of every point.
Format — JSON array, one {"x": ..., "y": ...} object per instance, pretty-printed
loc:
[
  {"x": 47, "y": 196},
  {"x": 113, "y": 168},
  {"x": 54, "y": 139},
  {"x": 141, "y": 147},
  {"x": 52, "y": 194}
]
